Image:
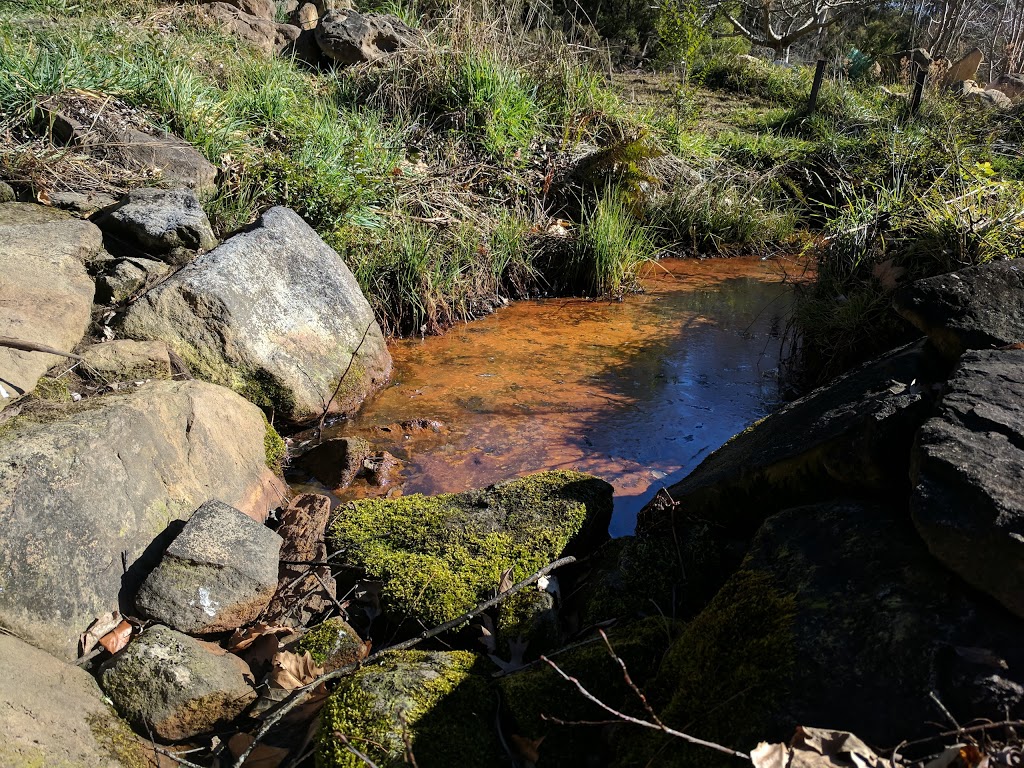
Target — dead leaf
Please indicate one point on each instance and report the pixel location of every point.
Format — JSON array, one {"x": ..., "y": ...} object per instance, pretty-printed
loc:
[
  {"x": 888, "y": 274},
  {"x": 243, "y": 638},
  {"x": 262, "y": 756},
  {"x": 770, "y": 755},
  {"x": 101, "y": 626},
  {"x": 516, "y": 650},
  {"x": 293, "y": 671},
  {"x": 505, "y": 583},
  {"x": 117, "y": 638},
  {"x": 526, "y": 749},
  {"x": 818, "y": 748},
  {"x": 487, "y": 638}
]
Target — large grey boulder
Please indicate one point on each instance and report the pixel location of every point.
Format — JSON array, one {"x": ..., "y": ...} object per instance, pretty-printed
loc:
[
  {"x": 168, "y": 224},
  {"x": 968, "y": 476},
  {"x": 976, "y": 308},
  {"x": 275, "y": 314},
  {"x": 86, "y": 497},
  {"x": 45, "y": 293},
  {"x": 350, "y": 37},
  {"x": 176, "y": 685},
  {"x": 54, "y": 715},
  {"x": 217, "y": 575},
  {"x": 267, "y": 35}
]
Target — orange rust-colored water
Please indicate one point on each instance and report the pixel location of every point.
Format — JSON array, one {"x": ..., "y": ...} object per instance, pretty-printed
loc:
[{"x": 636, "y": 391}]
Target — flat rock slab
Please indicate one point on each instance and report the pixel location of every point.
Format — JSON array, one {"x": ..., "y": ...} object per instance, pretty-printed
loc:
[
  {"x": 975, "y": 308},
  {"x": 854, "y": 433},
  {"x": 176, "y": 685},
  {"x": 126, "y": 360},
  {"x": 102, "y": 483},
  {"x": 968, "y": 475},
  {"x": 168, "y": 224},
  {"x": 45, "y": 294},
  {"x": 275, "y": 314},
  {"x": 53, "y": 714},
  {"x": 217, "y": 575}
]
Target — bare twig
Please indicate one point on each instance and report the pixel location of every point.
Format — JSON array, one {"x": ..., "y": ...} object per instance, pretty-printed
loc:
[
  {"x": 299, "y": 695},
  {"x": 31, "y": 346},
  {"x": 656, "y": 726},
  {"x": 946, "y": 712},
  {"x": 348, "y": 745},
  {"x": 341, "y": 379}
]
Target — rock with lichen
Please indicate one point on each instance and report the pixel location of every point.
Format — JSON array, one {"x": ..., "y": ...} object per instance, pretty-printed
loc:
[
  {"x": 176, "y": 685},
  {"x": 332, "y": 644},
  {"x": 442, "y": 704},
  {"x": 438, "y": 556}
]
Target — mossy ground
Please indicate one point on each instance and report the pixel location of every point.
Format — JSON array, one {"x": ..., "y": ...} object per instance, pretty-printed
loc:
[{"x": 440, "y": 556}]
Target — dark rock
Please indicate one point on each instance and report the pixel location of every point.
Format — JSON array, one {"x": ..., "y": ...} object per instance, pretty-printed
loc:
[
  {"x": 975, "y": 308},
  {"x": 269, "y": 36},
  {"x": 336, "y": 462},
  {"x": 275, "y": 314},
  {"x": 55, "y": 715},
  {"x": 302, "y": 591},
  {"x": 125, "y": 360},
  {"x": 101, "y": 485},
  {"x": 852, "y": 435},
  {"x": 333, "y": 644},
  {"x": 439, "y": 556},
  {"x": 838, "y": 615},
  {"x": 968, "y": 500},
  {"x": 167, "y": 224},
  {"x": 217, "y": 575},
  {"x": 176, "y": 685},
  {"x": 46, "y": 292},
  {"x": 349, "y": 37},
  {"x": 123, "y": 278},
  {"x": 381, "y": 469}
]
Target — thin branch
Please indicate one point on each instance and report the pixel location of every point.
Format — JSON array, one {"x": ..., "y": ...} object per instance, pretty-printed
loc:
[
  {"x": 348, "y": 745},
  {"x": 341, "y": 380},
  {"x": 299, "y": 695},
  {"x": 31, "y": 346},
  {"x": 644, "y": 723}
]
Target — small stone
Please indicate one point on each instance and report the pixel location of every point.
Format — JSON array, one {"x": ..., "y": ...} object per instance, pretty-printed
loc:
[
  {"x": 167, "y": 224},
  {"x": 336, "y": 462},
  {"x": 218, "y": 574},
  {"x": 6, "y": 193},
  {"x": 126, "y": 277},
  {"x": 333, "y": 644},
  {"x": 309, "y": 16},
  {"x": 125, "y": 360},
  {"x": 176, "y": 685}
]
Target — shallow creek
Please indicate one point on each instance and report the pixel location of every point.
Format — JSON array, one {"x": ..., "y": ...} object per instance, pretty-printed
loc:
[{"x": 637, "y": 391}]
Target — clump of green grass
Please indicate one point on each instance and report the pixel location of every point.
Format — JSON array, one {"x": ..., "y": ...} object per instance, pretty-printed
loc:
[{"x": 611, "y": 247}]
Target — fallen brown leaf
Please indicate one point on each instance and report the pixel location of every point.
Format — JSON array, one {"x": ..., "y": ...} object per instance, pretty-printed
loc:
[
  {"x": 117, "y": 638},
  {"x": 505, "y": 583},
  {"x": 888, "y": 274},
  {"x": 293, "y": 671},
  {"x": 243, "y": 638},
  {"x": 262, "y": 756},
  {"x": 526, "y": 749},
  {"x": 100, "y": 626}
]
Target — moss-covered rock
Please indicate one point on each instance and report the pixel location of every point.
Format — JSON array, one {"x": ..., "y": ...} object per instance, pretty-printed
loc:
[
  {"x": 436, "y": 700},
  {"x": 439, "y": 556},
  {"x": 530, "y": 616},
  {"x": 538, "y": 690},
  {"x": 332, "y": 644}
]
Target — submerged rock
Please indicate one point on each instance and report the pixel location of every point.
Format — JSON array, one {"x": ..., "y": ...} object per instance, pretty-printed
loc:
[
  {"x": 55, "y": 715},
  {"x": 439, "y": 556},
  {"x": 442, "y": 701},
  {"x": 273, "y": 313},
  {"x": 83, "y": 497},
  {"x": 976, "y": 308},
  {"x": 968, "y": 500},
  {"x": 168, "y": 224},
  {"x": 838, "y": 597},
  {"x": 45, "y": 294},
  {"x": 218, "y": 574},
  {"x": 176, "y": 685},
  {"x": 336, "y": 462}
]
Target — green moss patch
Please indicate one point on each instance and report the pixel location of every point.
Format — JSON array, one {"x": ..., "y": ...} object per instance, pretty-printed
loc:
[
  {"x": 332, "y": 644},
  {"x": 436, "y": 700},
  {"x": 439, "y": 556},
  {"x": 274, "y": 447}
]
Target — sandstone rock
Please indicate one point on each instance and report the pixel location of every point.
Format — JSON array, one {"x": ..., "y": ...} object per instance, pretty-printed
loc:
[
  {"x": 968, "y": 501},
  {"x": 167, "y": 224},
  {"x": 838, "y": 615},
  {"x": 990, "y": 97},
  {"x": 966, "y": 68},
  {"x": 123, "y": 278},
  {"x": 853, "y": 435},
  {"x": 218, "y": 574},
  {"x": 6, "y": 193},
  {"x": 975, "y": 308},
  {"x": 107, "y": 479},
  {"x": 964, "y": 89},
  {"x": 46, "y": 293},
  {"x": 82, "y": 203},
  {"x": 16, "y": 214},
  {"x": 176, "y": 685},
  {"x": 308, "y": 16},
  {"x": 302, "y": 591},
  {"x": 274, "y": 313},
  {"x": 261, "y": 9},
  {"x": 54, "y": 715},
  {"x": 96, "y": 124},
  {"x": 1012, "y": 84},
  {"x": 265, "y": 34},
  {"x": 336, "y": 462},
  {"x": 349, "y": 37},
  {"x": 126, "y": 360}
]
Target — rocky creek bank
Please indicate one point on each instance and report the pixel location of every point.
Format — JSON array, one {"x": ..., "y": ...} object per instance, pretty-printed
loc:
[{"x": 844, "y": 562}]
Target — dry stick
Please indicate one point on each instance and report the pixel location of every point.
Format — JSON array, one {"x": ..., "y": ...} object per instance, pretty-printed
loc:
[
  {"x": 348, "y": 745},
  {"x": 30, "y": 346},
  {"x": 337, "y": 389},
  {"x": 637, "y": 721},
  {"x": 299, "y": 694}
]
